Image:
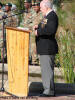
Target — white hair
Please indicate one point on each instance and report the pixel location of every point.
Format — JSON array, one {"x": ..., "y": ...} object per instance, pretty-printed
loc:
[{"x": 47, "y": 3}]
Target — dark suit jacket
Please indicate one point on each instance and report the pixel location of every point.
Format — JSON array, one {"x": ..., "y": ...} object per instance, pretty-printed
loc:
[{"x": 45, "y": 40}]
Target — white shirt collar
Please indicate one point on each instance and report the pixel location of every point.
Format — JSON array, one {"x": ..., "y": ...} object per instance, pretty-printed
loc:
[{"x": 48, "y": 12}]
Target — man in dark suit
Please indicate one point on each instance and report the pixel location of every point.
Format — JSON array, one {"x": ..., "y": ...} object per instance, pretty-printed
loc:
[{"x": 47, "y": 46}]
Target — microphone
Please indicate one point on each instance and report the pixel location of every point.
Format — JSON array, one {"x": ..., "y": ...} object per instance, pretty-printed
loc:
[{"x": 20, "y": 12}]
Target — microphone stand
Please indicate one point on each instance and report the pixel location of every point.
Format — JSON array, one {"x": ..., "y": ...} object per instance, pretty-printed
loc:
[
  {"x": 3, "y": 46},
  {"x": 2, "y": 88}
]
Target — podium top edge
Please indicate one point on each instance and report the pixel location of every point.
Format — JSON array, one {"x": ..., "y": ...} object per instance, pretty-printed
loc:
[{"x": 18, "y": 29}]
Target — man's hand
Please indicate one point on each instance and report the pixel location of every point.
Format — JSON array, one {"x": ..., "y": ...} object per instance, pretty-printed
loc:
[
  {"x": 35, "y": 29},
  {"x": 36, "y": 32}
]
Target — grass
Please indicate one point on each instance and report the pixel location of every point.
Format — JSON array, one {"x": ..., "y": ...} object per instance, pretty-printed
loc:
[{"x": 66, "y": 56}]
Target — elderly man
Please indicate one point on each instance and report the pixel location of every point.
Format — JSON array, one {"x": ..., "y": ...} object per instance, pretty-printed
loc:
[{"x": 47, "y": 46}]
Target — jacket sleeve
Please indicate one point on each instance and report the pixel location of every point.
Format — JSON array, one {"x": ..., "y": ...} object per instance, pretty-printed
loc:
[{"x": 49, "y": 29}]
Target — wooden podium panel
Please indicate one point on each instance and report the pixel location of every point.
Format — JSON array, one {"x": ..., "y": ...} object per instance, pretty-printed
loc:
[{"x": 17, "y": 56}]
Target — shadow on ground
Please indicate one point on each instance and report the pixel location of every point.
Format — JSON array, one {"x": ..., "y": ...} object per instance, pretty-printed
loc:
[{"x": 61, "y": 89}]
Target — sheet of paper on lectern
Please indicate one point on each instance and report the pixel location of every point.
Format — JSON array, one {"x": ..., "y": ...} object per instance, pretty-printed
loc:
[{"x": 23, "y": 28}]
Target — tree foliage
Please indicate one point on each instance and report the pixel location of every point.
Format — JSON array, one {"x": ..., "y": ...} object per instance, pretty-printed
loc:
[
  {"x": 20, "y": 7},
  {"x": 20, "y": 4}
]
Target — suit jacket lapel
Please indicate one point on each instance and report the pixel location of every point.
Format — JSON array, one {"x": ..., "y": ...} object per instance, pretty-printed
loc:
[{"x": 49, "y": 14}]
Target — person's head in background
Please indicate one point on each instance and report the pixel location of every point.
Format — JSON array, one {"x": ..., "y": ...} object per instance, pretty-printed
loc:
[
  {"x": 8, "y": 7},
  {"x": 36, "y": 7},
  {"x": 46, "y": 6},
  {"x": 27, "y": 4}
]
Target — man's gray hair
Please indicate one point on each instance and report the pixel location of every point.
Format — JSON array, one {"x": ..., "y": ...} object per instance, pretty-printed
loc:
[{"x": 48, "y": 4}]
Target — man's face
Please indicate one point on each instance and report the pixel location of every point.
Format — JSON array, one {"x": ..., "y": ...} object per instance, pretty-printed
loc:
[
  {"x": 43, "y": 8},
  {"x": 7, "y": 8},
  {"x": 36, "y": 8},
  {"x": 27, "y": 5},
  {"x": 0, "y": 6}
]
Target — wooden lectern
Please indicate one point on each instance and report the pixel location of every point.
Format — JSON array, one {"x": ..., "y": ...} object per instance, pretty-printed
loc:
[{"x": 17, "y": 56}]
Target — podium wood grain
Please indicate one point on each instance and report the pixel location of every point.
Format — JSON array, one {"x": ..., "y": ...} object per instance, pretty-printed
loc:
[{"x": 17, "y": 55}]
